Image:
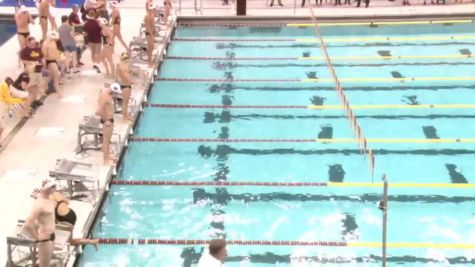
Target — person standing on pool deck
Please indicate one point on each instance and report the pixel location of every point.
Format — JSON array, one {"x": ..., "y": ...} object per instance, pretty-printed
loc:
[
  {"x": 359, "y": 3},
  {"x": 116, "y": 20},
  {"x": 43, "y": 214},
  {"x": 51, "y": 53},
  {"x": 23, "y": 20},
  {"x": 105, "y": 110},
  {"x": 216, "y": 255},
  {"x": 125, "y": 80},
  {"x": 149, "y": 21},
  {"x": 272, "y": 3}
]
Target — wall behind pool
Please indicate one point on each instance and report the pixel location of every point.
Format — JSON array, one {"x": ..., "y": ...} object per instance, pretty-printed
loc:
[{"x": 31, "y": 3}]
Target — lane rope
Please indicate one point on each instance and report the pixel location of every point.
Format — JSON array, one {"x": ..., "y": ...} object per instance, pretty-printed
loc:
[
  {"x": 289, "y": 184},
  {"x": 303, "y": 140},
  {"x": 314, "y": 107},
  {"x": 325, "y": 24},
  {"x": 154, "y": 241}
]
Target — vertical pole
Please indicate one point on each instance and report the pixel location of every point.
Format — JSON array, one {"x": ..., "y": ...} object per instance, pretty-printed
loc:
[{"x": 385, "y": 217}]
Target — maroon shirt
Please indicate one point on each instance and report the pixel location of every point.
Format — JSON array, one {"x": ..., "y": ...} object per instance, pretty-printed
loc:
[
  {"x": 74, "y": 18},
  {"x": 93, "y": 31},
  {"x": 33, "y": 54}
]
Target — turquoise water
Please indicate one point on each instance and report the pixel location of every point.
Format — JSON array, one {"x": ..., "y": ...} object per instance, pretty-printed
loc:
[
  {"x": 7, "y": 30},
  {"x": 298, "y": 213}
]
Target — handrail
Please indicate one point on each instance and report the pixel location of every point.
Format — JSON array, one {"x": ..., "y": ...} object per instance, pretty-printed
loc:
[{"x": 362, "y": 142}]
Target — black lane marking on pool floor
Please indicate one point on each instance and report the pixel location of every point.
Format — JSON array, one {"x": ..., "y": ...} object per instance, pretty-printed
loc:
[
  {"x": 200, "y": 194},
  {"x": 228, "y": 87},
  {"x": 430, "y": 132},
  {"x": 455, "y": 176},
  {"x": 192, "y": 256},
  {"x": 223, "y": 151},
  {"x": 226, "y": 116}
]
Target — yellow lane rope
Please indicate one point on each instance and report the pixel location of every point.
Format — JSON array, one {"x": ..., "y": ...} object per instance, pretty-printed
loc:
[
  {"x": 390, "y": 79},
  {"x": 396, "y": 106},
  {"x": 380, "y": 23},
  {"x": 401, "y": 185},
  {"x": 398, "y": 140},
  {"x": 388, "y": 39},
  {"x": 412, "y": 245},
  {"x": 362, "y": 58}
]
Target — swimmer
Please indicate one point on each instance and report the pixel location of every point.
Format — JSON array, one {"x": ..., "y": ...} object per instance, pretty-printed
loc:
[
  {"x": 105, "y": 110},
  {"x": 149, "y": 21},
  {"x": 42, "y": 214},
  {"x": 23, "y": 20},
  {"x": 51, "y": 53},
  {"x": 125, "y": 80},
  {"x": 115, "y": 15},
  {"x": 216, "y": 255},
  {"x": 107, "y": 51}
]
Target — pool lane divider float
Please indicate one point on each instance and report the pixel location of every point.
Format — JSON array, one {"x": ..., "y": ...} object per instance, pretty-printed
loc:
[
  {"x": 328, "y": 24},
  {"x": 309, "y": 140},
  {"x": 152, "y": 241},
  {"x": 325, "y": 80},
  {"x": 333, "y": 40},
  {"x": 289, "y": 184},
  {"x": 334, "y": 58},
  {"x": 318, "y": 107}
]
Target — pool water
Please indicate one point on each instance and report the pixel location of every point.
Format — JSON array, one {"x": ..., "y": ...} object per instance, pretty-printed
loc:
[
  {"x": 226, "y": 105},
  {"x": 7, "y": 30}
]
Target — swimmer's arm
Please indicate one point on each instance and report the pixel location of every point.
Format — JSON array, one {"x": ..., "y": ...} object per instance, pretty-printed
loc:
[{"x": 30, "y": 222}]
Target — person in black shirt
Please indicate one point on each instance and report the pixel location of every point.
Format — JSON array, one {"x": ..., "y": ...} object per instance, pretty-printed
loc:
[{"x": 20, "y": 88}]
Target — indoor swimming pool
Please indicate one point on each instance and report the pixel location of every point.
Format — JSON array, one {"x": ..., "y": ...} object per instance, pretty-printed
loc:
[{"x": 243, "y": 137}]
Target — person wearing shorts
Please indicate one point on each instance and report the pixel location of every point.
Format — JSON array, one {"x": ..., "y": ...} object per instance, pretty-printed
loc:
[
  {"x": 32, "y": 58},
  {"x": 69, "y": 44}
]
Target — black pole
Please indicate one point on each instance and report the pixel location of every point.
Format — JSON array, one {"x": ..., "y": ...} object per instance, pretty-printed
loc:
[
  {"x": 385, "y": 217},
  {"x": 241, "y": 7}
]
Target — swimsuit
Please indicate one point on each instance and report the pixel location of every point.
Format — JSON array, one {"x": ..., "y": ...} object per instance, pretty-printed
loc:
[
  {"x": 24, "y": 34},
  {"x": 125, "y": 87},
  {"x": 70, "y": 217},
  {"x": 48, "y": 61},
  {"x": 43, "y": 17},
  {"x": 51, "y": 238},
  {"x": 116, "y": 20},
  {"x": 111, "y": 120}
]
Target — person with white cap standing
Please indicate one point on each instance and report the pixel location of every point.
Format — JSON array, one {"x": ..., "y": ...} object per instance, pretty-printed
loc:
[
  {"x": 43, "y": 215},
  {"x": 105, "y": 110},
  {"x": 22, "y": 20},
  {"x": 51, "y": 54},
  {"x": 149, "y": 21}
]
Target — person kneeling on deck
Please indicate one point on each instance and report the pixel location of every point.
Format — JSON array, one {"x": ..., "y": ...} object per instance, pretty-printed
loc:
[
  {"x": 105, "y": 110},
  {"x": 217, "y": 254},
  {"x": 43, "y": 214},
  {"x": 7, "y": 98}
]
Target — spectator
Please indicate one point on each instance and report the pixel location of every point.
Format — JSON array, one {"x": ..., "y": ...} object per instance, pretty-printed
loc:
[
  {"x": 216, "y": 254},
  {"x": 116, "y": 20},
  {"x": 6, "y": 96},
  {"x": 69, "y": 44},
  {"x": 107, "y": 52},
  {"x": 23, "y": 20},
  {"x": 92, "y": 30},
  {"x": 167, "y": 5},
  {"x": 406, "y": 3},
  {"x": 33, "y": 59},
  {"x": 51, "y": 53},
  {"x": 75, "y": 21}
]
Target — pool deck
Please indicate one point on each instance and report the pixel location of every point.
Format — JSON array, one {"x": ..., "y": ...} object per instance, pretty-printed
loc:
[{"x": 27, "y": 155}]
